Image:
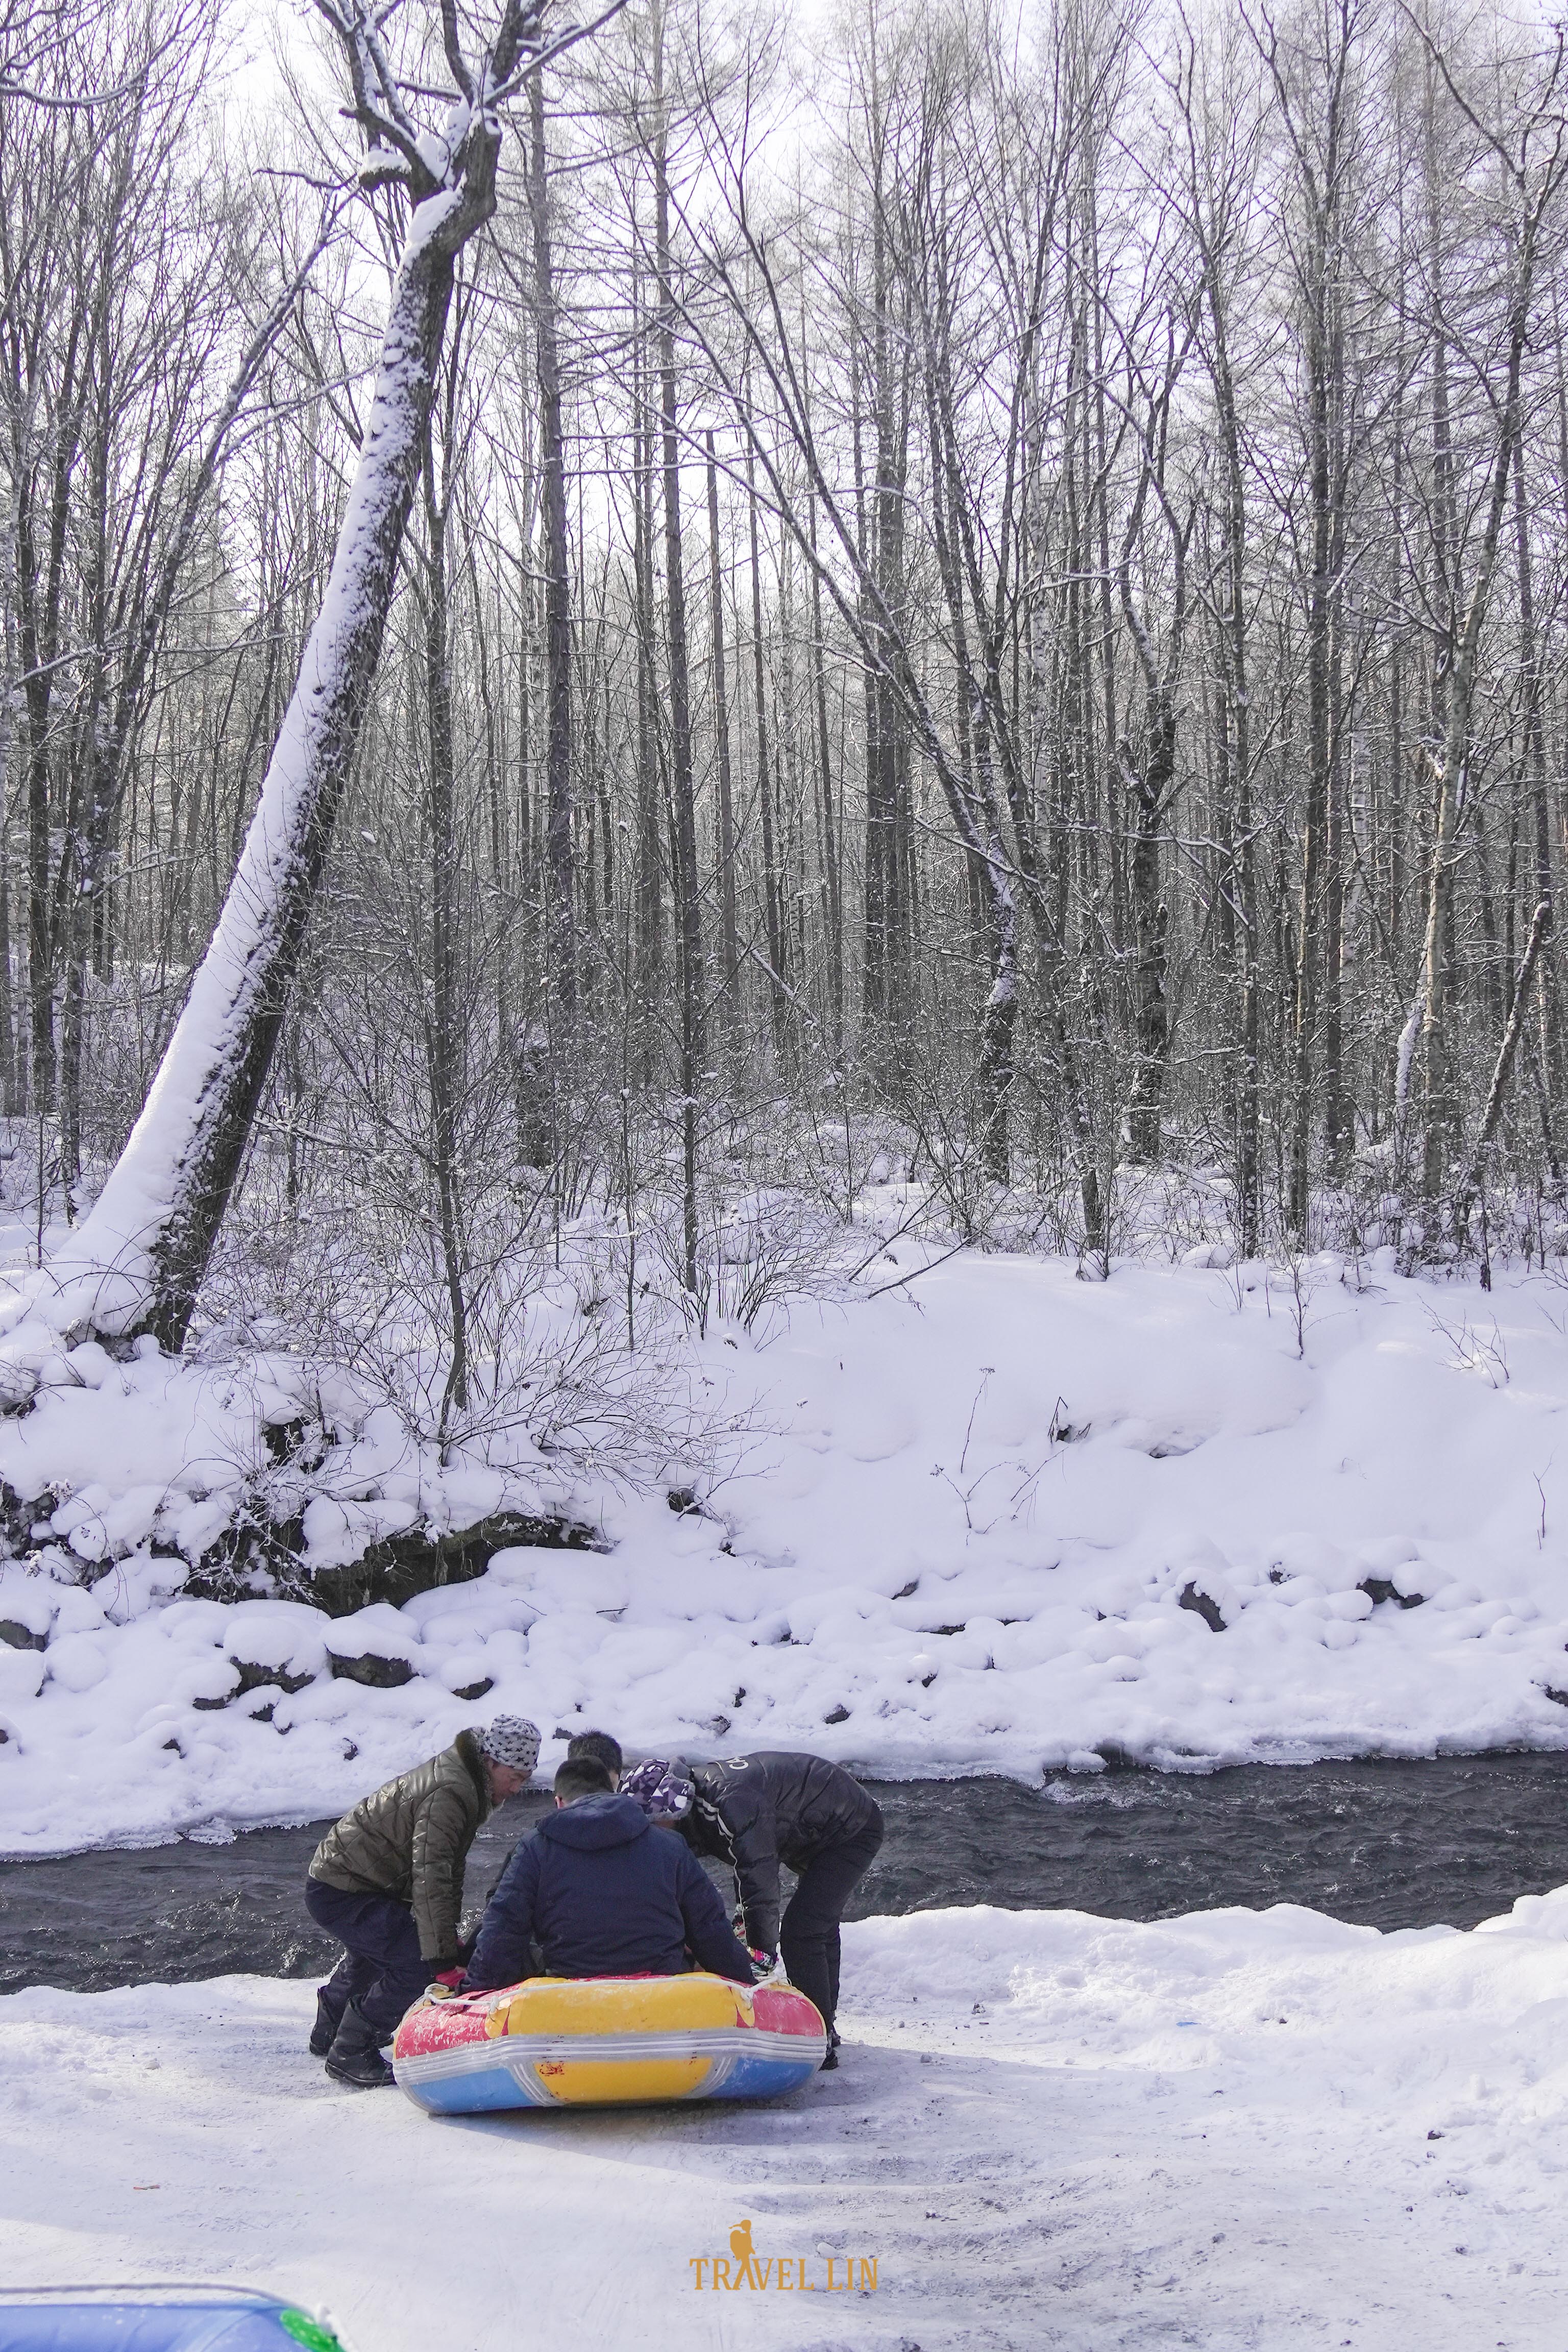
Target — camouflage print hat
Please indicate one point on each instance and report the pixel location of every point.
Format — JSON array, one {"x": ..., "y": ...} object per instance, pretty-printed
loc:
[{"x": 662, "y": 1788}]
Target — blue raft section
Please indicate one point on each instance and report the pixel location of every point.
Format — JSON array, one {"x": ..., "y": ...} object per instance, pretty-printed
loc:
[
  {"x": 156, "y": 2319},
  {"x": 497, "y": 2087}
]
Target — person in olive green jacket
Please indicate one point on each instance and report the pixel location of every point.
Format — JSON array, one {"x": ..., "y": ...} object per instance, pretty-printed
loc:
[{"x": 387, "y": 1882}]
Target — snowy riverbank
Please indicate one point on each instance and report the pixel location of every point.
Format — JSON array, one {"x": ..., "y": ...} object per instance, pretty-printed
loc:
[
  {"x": 995, "y": 1518},
  {"x": 1237, "y": 2129}
]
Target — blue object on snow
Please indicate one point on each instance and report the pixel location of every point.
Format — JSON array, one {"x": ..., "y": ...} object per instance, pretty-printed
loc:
[{"x": 156, "y": 2319}]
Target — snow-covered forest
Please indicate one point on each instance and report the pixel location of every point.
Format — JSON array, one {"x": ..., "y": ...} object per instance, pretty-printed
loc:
[
  {"x": 984, "y": 603},
  {"x": 782, "y": 794},
  {"x": 685, "y": 688}
]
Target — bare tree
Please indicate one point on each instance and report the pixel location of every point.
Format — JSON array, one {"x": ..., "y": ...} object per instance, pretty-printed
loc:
[
  {"x": 151, "y": 1232},
  {"x": 1531, "y": 159}
]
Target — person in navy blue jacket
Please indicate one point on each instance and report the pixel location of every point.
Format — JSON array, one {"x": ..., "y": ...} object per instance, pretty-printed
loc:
[{"x": 604, "y": 1893}]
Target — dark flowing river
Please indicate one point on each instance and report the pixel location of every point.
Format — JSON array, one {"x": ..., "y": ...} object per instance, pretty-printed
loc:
[{"x": 1390, "y": 1844}]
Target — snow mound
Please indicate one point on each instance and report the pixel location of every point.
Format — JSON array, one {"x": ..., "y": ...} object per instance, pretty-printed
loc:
[{"x": 1000, "y": 1519}]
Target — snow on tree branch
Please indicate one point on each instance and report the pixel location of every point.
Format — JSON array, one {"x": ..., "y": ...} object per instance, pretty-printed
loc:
[{"x": 137, "y": 1261}]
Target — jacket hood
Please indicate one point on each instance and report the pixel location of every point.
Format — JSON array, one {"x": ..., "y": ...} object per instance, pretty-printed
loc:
[
  {"x": 595, "y": 1823},
  {"x": 467, "y": 1747}
]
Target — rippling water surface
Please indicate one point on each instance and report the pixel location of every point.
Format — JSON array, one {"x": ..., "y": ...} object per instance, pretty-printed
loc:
[{"x": 1390, "y": 1844}]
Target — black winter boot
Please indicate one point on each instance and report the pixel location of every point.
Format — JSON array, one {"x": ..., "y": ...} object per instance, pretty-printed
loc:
[
  {"x": 354, "y": 2057},
  {"x": 329, "y": 2008},
  {"x": 830, "y": 2063}
]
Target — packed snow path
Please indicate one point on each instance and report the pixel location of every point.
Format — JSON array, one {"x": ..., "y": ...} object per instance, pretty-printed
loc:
[{"x": 1261, "y": 2130}]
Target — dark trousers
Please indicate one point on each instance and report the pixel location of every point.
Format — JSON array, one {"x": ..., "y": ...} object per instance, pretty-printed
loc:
[
  {"x": 381, "y": 1970},
  {"x": 808, "y": 1935}
]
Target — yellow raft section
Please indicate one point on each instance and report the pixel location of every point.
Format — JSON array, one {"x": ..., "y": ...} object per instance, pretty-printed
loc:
[{"x": 612, "y": 2008}]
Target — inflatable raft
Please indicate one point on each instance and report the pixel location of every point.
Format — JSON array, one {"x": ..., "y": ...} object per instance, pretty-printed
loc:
[
  {"x": 590, "y": 2042},
  {"x": 156, "y": 2320}
]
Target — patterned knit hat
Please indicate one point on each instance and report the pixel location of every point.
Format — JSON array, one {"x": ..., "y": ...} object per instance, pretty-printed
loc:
[
  {"x": 511, "y": 1739},
  {"x": 661, "y": 1789}
]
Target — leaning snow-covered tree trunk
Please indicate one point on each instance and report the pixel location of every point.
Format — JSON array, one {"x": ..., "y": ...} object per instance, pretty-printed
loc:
[
  {"x": 154, "y": 1223},
  {"x": 137, "y": 1259}
]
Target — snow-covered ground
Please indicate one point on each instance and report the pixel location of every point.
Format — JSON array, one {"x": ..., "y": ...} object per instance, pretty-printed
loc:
[
  {"x": 956, "y": 1533},
  {"x": 1259, "y": 2130}
]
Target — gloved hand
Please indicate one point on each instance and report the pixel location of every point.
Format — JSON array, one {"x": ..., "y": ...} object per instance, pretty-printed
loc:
[
  {"x": 446, "y": 1982},
  {"x": 763, "y": 1963}
]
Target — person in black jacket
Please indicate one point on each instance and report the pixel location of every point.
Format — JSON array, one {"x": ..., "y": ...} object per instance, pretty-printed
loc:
[
  {"x": 755, "y": 1812},
  {"x": 604, "y": 1894}
]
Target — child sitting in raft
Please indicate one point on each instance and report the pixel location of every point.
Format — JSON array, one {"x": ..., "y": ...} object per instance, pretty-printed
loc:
[{"x": 602, "y": 1895}]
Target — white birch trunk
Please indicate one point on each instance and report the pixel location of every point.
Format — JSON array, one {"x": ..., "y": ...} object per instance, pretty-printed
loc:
[{"x": 137, "y": 1258}]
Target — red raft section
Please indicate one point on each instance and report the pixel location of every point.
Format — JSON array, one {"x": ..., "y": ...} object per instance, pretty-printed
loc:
[{"x": 607, "y": 2041}]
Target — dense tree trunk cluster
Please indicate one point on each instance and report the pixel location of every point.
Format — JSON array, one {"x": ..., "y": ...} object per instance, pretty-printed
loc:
[{"x": 1006, "y": 623}]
